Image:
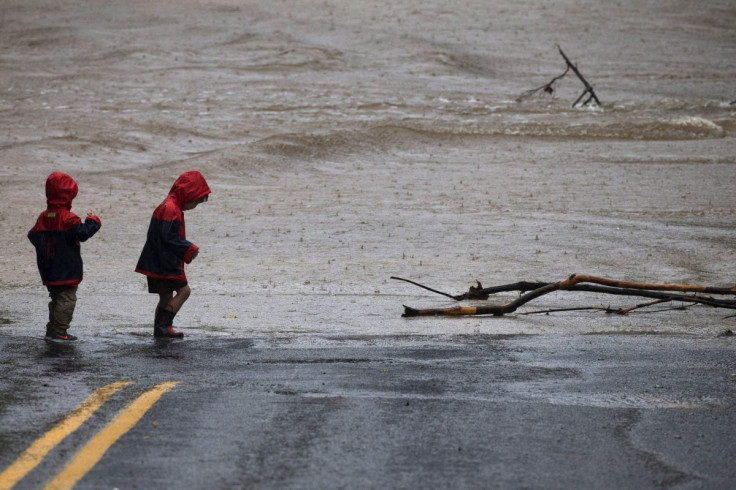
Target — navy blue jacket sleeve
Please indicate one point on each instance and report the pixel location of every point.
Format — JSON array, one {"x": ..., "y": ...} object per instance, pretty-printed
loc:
[
  {"x": 86, "y": 230},
  {"x": 171, "y": 238}
]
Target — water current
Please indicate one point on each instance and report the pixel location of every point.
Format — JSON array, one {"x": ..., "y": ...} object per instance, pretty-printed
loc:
[{"x": 348, "y": 141}]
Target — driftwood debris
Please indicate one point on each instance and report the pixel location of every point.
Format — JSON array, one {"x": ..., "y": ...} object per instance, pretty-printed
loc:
[
  {"x": 661, "y": 293},
  {"x": 549, "y": 87}
]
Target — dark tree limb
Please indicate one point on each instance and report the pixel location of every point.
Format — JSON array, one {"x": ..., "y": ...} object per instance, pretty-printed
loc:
[
  {"x": 480, "y": 292},
  {"x": 549, "y": 86},
  {"x": 615, "y": 311},
  {"x": 659, "y": 292},
  {"x": 430, "y": 289},
  {"x": 580, "y": 98},
  {"x": 497, "y": 310},
  {"x": 706, "y": 300},
  {"x": 684, "y": 288},
  {"x": 607, "y": 309},
  {"x": 588, "y": 87}
]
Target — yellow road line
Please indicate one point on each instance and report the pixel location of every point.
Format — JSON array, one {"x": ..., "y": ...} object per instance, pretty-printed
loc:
[
  {"x": 41, "y": 447},
  {"x": 89, "y": 455}
]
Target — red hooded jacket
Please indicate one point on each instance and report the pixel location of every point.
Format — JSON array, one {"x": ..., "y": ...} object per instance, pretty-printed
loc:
[
  {"x": 58, "y": 232},
  {"x": 167, "y": 249}
]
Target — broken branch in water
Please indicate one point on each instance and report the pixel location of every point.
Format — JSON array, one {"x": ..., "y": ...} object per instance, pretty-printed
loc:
[
  {"x": 479, "y": 292},
  {"x": 588, "y": 87},
  {"x": 549, "y": 86},
  {"x": 607, "y": 309},
  {"x": 428, "y": 288},
  {"x": 533, "y": 290}
]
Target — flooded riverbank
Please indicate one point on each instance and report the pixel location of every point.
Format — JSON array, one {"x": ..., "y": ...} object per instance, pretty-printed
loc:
[{"x": 348, "y": 142}]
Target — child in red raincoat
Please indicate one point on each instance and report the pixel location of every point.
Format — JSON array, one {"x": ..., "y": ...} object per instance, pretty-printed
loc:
[
  {"x": 56, "y": 236},
  {"x": 167, "y": 250}
]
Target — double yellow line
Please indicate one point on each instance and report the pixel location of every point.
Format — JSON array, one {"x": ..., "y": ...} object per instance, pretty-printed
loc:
[{"x": 92, "y": 452}]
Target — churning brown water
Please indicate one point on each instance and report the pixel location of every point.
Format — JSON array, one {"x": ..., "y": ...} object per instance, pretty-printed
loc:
[{"x": 348, "y": 141}]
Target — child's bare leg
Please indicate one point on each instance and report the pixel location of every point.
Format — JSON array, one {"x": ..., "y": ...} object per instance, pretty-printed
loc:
[{"x": 167, "y": 301}]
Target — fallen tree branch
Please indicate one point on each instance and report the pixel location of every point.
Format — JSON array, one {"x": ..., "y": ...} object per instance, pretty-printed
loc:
[
  {"x": 575, "y": 283},
  {"x": 607, "y": 309},
  {"x": 588, "y": 87},
  {"x": 575, "y": 280},
  {"x": 428, "y": 288},
  {"x": 684, "y": 288},
  {"x": 549, "y": 87},
  {"x": 497, "y": 310},
  {"x": 479, "y": 292},
  {"x": 706, "y": 300}
]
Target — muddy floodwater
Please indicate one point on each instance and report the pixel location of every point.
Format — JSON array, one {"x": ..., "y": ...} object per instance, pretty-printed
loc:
[{"x": 347, "y": 141}]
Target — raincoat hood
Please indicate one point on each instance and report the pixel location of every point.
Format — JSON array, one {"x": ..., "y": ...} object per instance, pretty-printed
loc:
[
  {"x": 60, "y": 190},
  {"x": 190, "y": 186}
]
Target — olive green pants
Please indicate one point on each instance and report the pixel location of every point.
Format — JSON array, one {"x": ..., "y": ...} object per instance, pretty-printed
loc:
[{"x": 61, "y": 307}]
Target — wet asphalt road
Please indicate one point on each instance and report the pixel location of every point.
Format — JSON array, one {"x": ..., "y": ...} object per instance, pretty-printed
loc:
[{"x": 473, "y": 411}]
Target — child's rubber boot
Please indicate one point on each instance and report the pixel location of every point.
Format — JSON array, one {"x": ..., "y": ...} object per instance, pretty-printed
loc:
[
  {"x": 162, "y": 325},
  {"x": 52, "y": 334}
]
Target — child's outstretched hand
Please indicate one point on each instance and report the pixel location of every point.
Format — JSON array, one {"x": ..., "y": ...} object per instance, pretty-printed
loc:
[{"x": 91, "y": 213}]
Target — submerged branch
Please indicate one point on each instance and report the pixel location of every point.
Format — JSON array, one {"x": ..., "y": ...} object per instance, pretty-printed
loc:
[
  {"x": 532, "y": 290},
  {"x": 549, "y": 86},
  {"x": 588, "y": 87}
]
